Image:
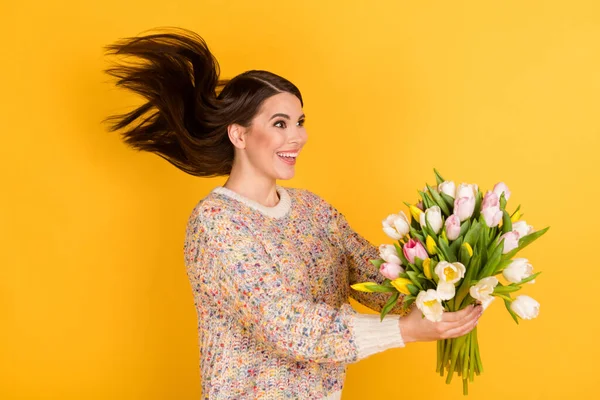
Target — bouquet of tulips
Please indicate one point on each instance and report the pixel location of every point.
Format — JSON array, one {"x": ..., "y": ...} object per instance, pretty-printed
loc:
[{"x": 449, "y": 256}]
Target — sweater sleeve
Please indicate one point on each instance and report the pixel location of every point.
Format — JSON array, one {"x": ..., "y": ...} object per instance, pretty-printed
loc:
[
  {"x": 359, "y": 252},
  {"x": 246, "y": 283}
]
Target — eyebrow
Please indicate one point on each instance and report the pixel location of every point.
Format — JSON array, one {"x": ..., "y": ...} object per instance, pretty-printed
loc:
[{"x": 286, "y": 116}]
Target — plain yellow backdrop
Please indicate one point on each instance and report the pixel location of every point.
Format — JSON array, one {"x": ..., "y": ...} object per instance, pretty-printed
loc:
[{"x": 94, "y": 300}]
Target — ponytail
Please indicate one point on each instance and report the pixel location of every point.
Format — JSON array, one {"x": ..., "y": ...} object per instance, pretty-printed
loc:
[{"x": 188, "y": 108}]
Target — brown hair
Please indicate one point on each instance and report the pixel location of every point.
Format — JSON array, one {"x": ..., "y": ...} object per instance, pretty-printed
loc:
[{"x": 188, "y": 107}]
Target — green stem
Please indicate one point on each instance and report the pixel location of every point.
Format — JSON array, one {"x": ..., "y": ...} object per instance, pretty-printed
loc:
[
  {"x": 447, "y": 349},
  {"x": 477, "y": 356},
  {"x": 467, "y": 351},
  {"x": 440, "y": 352},
  {"x": 502, "y": 296},
  {"x": 472, "y": 360}
]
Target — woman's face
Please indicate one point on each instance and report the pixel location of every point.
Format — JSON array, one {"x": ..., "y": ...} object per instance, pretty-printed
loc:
[{"x": 276, "y": 137}]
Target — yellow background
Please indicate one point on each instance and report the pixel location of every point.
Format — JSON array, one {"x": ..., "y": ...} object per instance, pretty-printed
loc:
[{"x": 94, "y": 300}]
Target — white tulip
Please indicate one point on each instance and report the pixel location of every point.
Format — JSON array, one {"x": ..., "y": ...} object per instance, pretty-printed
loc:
[
  {"x": 434, "y": 217},
  {"x": 522, "y": 227},
  {"x": 396, "y": 226},
  {"x": 389, "y": 254},
  {"x": 466, "y": 190},
  {"x": 525, "y": 307},
  {"x": 447, "y": 187},
  {"x": 518, "y": 270},
  {"x": 430, "y": 305},
  {"x": 485, "y": 303},
  {"x": 448, "y": 274},
  {"x": 483, "y": 289}
]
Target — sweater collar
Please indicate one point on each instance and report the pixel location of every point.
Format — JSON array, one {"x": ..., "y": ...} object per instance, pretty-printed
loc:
[{"x": 279, "y": 210}]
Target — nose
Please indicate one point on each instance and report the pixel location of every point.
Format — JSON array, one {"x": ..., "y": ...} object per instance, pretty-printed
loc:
[{"x": 298, "y": 135}]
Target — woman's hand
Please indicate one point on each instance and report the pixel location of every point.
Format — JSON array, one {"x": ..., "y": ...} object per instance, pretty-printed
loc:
[{"x": 415, "y": 328}]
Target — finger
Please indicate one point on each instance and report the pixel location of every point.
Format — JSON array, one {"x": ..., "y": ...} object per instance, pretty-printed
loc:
[
  {"x": 458, "y": 315},
  {"x": 462, "y": 330},
  {"x": 472, "y": 316}
]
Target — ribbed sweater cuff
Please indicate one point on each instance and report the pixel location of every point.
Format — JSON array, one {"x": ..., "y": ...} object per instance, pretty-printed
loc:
[{"x": 373, "y": 335}]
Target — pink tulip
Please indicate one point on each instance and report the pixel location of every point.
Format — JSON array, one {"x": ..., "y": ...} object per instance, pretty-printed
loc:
[
  {"x": 464, "y": 207},
  {"x": 511, "y": 241},
  {"x": 501, "y": 187},
  {"x": 390, "y": 270},
  {"x": 490, "y": 199},
  {"x": 413, "y": 248},
  {"x": 420, "y": 205},
  {"x": 490, "y": 209},
  {"x": 452, "y": 227}
]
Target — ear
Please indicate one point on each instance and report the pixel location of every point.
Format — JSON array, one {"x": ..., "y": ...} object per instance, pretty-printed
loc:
[{"x": 237, "y": 135}]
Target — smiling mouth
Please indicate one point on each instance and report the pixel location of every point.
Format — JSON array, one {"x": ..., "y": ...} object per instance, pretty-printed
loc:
[{"x": 288, "y": 158}]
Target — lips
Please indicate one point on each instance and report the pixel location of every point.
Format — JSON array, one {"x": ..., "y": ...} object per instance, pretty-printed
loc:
[{"x": 288, "y": 157}]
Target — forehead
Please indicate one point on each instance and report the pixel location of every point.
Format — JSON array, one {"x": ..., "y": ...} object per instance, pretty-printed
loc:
[{"x": 285, "y": 103}]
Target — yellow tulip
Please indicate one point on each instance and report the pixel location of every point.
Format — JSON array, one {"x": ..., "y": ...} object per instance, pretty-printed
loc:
[
  {"x": 361, "y": 287},
  {"x": 467, "y": 246},
  {"x": 427, "y": 268},
  {"x": 431, "y": 246},
  {"x": 516, "y": 217},
  {"x": 401, "y": 285},
  {"x": 416, "y": 212}
]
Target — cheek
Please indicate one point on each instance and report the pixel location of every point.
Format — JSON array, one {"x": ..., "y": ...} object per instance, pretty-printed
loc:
[{"x": 264, "y": 145}]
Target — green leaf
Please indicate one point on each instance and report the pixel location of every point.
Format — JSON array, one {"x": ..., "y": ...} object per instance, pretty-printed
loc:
[
  {"x": 445, "y": 249},
  {"x": 425, "y": 198},
  {"x": 464, "y": 227},
  {"x": 455, "y": 246},
  {"x": 529, "y": 278},
  {"x": 506, "y": 222},
  {"x": 439, "y": 201},
  {"x": 464, "y": 256},
  {"x": 377, "y": 263},
  {"x": 449, "y": 200},
  {"x": 438, "y": 177},
  {"x": 528, "y": 239},
  {"x": 492, "y": 262},
  {"x": 401, "y": 254},
  {"x": 414, "y": 277},
  {"x": 413, "y": 289},
  {"x": 417, "y": 235},
  {"x": 502, "y": 201},
  {"x": 512, "y": 313},
  {"x": 381, "y": 288},
  {"x": 506, "y": 289},
  {"x": 512, "y": 215},
  {"x": 430, "y": 232},
  {"x": 419, "y": 262},
  {"x": 389, "y": 305},
  {"x": 473, "y": 234},
  {"x": 478, "y": 200}
]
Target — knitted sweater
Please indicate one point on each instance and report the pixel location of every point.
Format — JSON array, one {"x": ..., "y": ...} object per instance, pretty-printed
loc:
[{"x": 271, "y": 287}]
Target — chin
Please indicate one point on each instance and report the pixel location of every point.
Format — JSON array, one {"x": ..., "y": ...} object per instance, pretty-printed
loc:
[{"x": 285, "y": 177}]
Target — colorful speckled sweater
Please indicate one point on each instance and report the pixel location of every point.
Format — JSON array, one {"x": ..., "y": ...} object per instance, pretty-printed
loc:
[{"x": 271, "y": 288}]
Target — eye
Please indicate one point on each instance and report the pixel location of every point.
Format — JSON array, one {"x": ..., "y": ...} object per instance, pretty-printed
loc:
[
  {"x": 280, "y": 124},
  {"x": 300, "y": 123}
]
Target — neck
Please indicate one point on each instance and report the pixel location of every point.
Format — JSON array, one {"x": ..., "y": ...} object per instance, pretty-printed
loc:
[{"x": 258, "y": 188}]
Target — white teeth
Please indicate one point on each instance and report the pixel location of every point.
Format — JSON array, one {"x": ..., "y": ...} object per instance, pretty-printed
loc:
[{"x": 291, "y": 155}]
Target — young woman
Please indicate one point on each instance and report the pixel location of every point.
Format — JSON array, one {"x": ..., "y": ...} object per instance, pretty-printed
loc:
[{"x": 270, "y": 266}]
